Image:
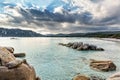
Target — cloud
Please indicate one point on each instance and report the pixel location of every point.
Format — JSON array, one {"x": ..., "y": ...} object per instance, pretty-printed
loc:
[
  {"x": 105, "y": 12},
  {"x": 59, "y": 10},
  {"x": 72, "y": 16}
]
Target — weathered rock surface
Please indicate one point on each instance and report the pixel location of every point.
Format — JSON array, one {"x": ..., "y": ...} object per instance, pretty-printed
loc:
[
  {"x": 6, "y": 56},
  {"x": 13, "y": 69},
  {"x": 102, "y": 65},
  {"x": 115, "y": 76},
  {"x": 13, "y": 64},
  {"x": 81, "y": 46},
  {"x": 10, "y": 49},
  {"x": 23, "y": 72},
  {"x": 81, "y": 77}
]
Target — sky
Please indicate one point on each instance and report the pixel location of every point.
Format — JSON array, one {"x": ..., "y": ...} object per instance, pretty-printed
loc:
[{"x": 61, "y": 16}]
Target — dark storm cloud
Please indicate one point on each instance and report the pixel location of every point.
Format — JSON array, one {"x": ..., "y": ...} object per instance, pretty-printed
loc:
[
  {"x": 99, "y": 17},
  {"x": 31, "y": 15}
]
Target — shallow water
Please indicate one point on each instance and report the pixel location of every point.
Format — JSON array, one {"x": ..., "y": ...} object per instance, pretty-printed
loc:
[{"x": 54, "y": 62}]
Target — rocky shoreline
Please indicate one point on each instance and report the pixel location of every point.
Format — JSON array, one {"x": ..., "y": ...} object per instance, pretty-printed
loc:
[
  {"x": 102, "y": 66},
  {"x": 14, "y": 69}
]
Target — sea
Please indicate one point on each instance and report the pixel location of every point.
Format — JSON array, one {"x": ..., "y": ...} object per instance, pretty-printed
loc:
[{"x": 54, "y": 62}]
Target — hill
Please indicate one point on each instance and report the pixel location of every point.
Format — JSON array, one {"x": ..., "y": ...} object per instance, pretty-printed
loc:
[
  {"x": 4, "y": 32},
  {"x": 108, "y": 34}
]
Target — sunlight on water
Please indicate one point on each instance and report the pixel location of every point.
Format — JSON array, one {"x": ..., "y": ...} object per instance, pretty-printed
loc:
[{"x": 54, "y": 62}]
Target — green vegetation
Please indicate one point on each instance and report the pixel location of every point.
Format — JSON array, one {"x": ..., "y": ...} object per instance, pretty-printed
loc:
[{"x": 111, "y": 34}]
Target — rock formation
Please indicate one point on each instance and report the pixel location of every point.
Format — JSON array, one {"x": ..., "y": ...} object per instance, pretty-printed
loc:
[
  {"x": 102, "y": 65},
  {"x": 85, "y": 77},
  {"x": 19, "y": 54},
  {"x": 13, "y": 69},
  {"x": 81, "y": 46},
  {"x": 81, "y": 77}
]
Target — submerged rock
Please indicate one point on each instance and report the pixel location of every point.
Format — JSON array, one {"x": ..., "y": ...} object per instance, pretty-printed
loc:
[
  {"x": 96, "y": 78},
  {"x": 81, "y": 77},
  {"x": 102, "y": 65},
  {"x": 115, "y": 76}
]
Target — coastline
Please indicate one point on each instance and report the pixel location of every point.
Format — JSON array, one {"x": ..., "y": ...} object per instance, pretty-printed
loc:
[
  {"x": 110, "y": 39},
  {"x": 61, "y": 56}
]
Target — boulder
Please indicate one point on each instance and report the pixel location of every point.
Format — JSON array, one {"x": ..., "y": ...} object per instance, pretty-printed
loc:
[
  {"x": 37, "y": 78},
  {"x": 102, "y": 65},
  {"x": 115, "y": 76},
  {"x": 100, "y": 49},
  {"x": 13, "y": 64},
  {"x": 13, "y": 69},
  {"x": 23, "y": 72},
  {"x": 6, "y": 56},
  {"x": 19, "y": 54},
  {"x": 80, "y": 48},
  {"x": 92, "y": 47},
  {"x": 85, "y": 47},
  {"x": 69, "y": 44},
  {"x": 81, "y": 77},
  {"x": 80, "y": 44},
  {"x": 75, "y": 45}
]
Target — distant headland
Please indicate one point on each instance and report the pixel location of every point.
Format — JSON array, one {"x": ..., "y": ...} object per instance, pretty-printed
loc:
[{"x": 4, "y": 32}]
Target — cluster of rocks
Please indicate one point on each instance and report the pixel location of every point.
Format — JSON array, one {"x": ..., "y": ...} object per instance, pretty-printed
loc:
[
  {"x": 85, "y": 77},
  {"x": 81, "y": 46},
  {"x": 14, "y": 69},
  {"x": 115, "y": 76},
  {"x": 99, "y": 65}
]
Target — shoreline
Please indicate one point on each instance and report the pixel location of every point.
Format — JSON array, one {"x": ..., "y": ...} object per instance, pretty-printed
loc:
[
  {"x": 110, "y": 39},
  {"x": 44, "y": 76}
]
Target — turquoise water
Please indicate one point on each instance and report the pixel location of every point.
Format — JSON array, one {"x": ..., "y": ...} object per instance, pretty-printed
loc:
[{"x": 54, "y": 62}]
